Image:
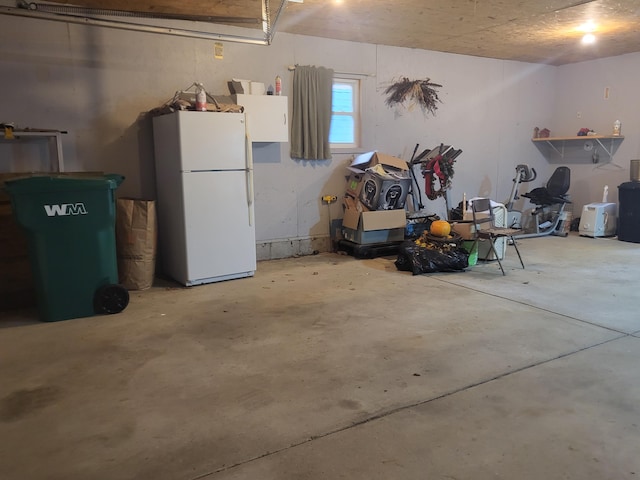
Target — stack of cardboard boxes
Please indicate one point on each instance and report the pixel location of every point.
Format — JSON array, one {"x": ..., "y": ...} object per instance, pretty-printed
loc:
[{"x": 374, "y": 202}]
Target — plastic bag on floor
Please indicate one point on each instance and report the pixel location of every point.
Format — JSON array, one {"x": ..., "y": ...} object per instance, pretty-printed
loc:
[{"x": 418, "y": 260}]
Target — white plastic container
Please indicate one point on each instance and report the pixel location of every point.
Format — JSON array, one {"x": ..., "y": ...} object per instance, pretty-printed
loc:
[
  {"x": 598, "y": 220},
  {"x": 201, "y": 98},
  {"x": 278, "y": 85}
]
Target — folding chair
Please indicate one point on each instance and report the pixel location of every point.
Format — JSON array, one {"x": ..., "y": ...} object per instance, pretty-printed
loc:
[{"x": 486, "y": 229}]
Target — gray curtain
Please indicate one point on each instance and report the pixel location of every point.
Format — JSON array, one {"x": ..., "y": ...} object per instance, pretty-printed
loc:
[{"x": 311, "y": 113}]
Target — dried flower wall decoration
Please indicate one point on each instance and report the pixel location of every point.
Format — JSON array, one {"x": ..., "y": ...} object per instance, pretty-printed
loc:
[{"x": 409, "y": 93}]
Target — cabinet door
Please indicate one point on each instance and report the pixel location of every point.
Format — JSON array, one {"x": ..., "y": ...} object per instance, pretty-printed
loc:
[{"x": 267, "y": 117}]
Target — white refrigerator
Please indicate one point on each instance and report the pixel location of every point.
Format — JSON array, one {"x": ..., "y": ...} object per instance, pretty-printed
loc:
[{"x": 204, "y": 183}]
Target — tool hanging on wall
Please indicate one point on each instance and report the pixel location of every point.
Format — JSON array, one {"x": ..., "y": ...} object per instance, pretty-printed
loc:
[
  {"x": 437, "y": 165},
  {"x": 328, "y": 200},
  {"x": 417, "y": 199},
  {"x": 8, "y": 130}
]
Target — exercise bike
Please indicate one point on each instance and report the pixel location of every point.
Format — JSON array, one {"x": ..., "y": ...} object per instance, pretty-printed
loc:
[
  {"x": 524, "y": 174},
  {"x": 551, "y": 200}
]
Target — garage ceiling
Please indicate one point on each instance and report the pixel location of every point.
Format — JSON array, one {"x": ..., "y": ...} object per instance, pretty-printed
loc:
[{"x": 537, "y": 31}]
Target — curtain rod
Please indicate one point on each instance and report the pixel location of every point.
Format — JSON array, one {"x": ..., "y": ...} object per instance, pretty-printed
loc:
[{"x": 293, "y": 67}]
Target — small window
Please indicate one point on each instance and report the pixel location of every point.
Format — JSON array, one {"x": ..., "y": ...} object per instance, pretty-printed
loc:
[{"x": 345, "y": 114}]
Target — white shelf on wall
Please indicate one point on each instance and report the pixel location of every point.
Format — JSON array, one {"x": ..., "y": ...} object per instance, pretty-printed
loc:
[{"x": 586, "y": 146}]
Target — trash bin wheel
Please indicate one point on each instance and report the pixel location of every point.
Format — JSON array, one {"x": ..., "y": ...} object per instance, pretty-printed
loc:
[{"x": 111, "y": 298}]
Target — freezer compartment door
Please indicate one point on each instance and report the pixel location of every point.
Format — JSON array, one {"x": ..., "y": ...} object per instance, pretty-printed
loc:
[
  {"x": 220, "y": 232},
  {"x": 212, "y": 141}
]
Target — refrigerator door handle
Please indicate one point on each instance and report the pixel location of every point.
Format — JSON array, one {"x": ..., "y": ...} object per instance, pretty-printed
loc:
[{"x": 249, "y": 163}]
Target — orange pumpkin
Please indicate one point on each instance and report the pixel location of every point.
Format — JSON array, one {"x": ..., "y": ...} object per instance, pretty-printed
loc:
[{"x": 440, "y": 228}]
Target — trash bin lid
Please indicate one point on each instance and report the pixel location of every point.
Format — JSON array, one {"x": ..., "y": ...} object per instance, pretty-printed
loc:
[
  {"x": 62, "y": 183},
  {"x": 629, "y": 186}
]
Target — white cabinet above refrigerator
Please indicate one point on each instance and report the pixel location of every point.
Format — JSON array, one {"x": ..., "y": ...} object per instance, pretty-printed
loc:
[{"x": 267, "y": 117}]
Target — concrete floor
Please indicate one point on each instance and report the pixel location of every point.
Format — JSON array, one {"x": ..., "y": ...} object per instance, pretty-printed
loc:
[{"x": 329, "y": 367}]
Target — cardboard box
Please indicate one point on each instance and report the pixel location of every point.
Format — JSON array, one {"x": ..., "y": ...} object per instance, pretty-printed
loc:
[
  {"x": 468, "y": 216},
  {"x": 392, "y": 194},
  {"x": 370, "y": 191},
  {"x": 384, "y": 181},
  {"x": 466, "y": 230},
  {"x": 370, "y": 159},
  {"x": 354, "y": 184},
  {"x": 365, "y": 227}
]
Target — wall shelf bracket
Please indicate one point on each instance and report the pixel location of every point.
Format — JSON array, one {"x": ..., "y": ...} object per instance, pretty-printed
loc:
[{"x": 578, "y": 147}]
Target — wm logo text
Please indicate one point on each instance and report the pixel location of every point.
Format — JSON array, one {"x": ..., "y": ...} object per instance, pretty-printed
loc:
[{"x": 65, "y": 209}]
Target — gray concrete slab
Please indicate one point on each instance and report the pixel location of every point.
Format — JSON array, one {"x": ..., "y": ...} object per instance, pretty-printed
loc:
[
  {"x": 592, "y": 279},
  {"x": 575, "y": 417},
  {"x": 186, "y": 382}
]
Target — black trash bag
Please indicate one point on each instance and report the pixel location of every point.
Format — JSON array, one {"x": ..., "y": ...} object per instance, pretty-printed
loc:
[{"x": 418, "y": 260}]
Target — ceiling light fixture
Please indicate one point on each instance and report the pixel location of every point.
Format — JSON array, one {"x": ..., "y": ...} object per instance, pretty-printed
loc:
[{"x": 587, "y": 27}]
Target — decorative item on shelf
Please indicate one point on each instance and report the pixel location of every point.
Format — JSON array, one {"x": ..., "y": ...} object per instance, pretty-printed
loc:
[
  {"x": 411, "y": 92},
  {"x": 583, "y": 132},
  {"x": 536, "y": 132},
  {"x": 617, "y": 128},
  {"x": 544, "y": 133}
]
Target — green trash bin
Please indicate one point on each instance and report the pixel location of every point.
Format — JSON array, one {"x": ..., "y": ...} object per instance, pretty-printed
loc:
[{"x": 70, "y": 227}]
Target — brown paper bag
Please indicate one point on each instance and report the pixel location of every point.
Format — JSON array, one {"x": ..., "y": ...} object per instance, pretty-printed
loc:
[{"x": 136, "y": 242}]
